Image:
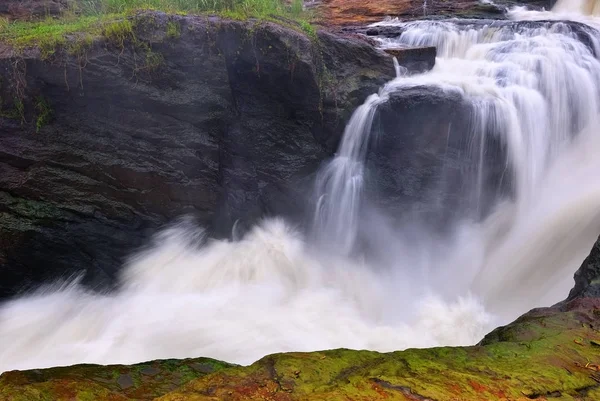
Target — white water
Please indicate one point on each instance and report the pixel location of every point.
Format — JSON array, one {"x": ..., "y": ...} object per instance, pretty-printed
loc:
[{"x": 274, "y": 291}]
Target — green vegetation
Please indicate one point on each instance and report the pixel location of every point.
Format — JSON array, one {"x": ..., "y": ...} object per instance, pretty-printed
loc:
[
  {"x": 247, "y": 7},
  {"x": 105, "y": 17},
  {"x": 91, "y": 382},
  {"x": 44, "y": 113},
  {"x": 173, "y": 29},
  {"x": 119, "y": 32},
  {"x": 17, "y": 112}
]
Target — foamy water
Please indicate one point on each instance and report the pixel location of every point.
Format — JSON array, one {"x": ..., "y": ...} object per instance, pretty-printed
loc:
[
  {"x": 233, "y": 301},
  {"x": 279, "y": 289}
]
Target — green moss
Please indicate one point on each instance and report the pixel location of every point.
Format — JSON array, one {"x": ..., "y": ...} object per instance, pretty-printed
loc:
[
  {"x": 548, "y": 356},
  {"x": 92, "y": 382},
  {"x": 45, "y": 114},
  {"x": 31, "y": 209},
  {"x": 308, "y": 29},
  {"x": 14, "y": 112},
  {"x": 153, "y": 61},
  {"x": 173, "y": 29}
]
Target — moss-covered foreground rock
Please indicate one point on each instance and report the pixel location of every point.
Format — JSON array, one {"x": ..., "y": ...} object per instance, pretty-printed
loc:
[
  {"x": 144, "y": 381},
  {"x": 547, "y": 354}
]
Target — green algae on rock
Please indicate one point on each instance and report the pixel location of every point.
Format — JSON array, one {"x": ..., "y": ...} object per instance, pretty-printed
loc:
[
  {"x": 144, "y": 381},
  {"x": 549, "y": 353}
]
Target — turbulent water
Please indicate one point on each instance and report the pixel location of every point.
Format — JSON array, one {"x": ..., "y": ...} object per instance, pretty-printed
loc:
[{"x": 535, "y": 86}]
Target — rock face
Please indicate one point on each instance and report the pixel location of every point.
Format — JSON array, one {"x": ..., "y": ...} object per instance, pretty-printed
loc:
[
  {"x": 587, "y": 278},
  {"x": 418, "y": 59},
  {"x": 425, "y": 161},
  {"x": 548, "y": 353},
  {"x": 218, "y": 119}
]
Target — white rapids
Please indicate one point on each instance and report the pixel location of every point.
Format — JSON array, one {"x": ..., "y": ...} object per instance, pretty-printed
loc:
[{"x": 274, "y": 291}]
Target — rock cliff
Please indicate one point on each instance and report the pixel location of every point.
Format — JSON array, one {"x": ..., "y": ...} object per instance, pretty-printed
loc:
[{"x": 104, "y": 140}]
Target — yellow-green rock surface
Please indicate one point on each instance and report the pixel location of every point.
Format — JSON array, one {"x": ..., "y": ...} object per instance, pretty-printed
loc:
[{"x": 547, "y": 354}]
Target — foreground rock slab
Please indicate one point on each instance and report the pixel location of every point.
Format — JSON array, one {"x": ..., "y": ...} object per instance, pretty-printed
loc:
[
  {"x": 549, "y": 353},
  {"x": 143, "y": 381}
]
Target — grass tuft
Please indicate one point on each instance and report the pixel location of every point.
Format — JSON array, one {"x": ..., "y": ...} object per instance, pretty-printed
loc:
[{"x": 118, "y": 32}]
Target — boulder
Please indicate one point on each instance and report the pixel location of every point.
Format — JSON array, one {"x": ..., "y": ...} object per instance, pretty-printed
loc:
[
  {"x": 418, "y": 58},
  {"x": 587, "y": 278},
  {"x": 423, "y": 162}
]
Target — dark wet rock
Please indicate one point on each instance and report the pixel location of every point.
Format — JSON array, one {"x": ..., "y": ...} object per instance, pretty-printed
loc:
[
  {"x": 228, "y": 125},
  {"x": 587, "y": 278},
  {"x": 150, "y": 371},
  {"x": 417, "y": 59},
  {"x": 423, "y": 162},
  {"x": 202, "y": 367},
  {"x": 125, "y": 382}
]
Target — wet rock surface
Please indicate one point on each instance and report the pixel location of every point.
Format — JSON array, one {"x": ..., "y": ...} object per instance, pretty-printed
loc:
[
  {"x": 587, "y": 278},
  {"x": 424, "y": 162},
  {"x": 420, "y": 59}
]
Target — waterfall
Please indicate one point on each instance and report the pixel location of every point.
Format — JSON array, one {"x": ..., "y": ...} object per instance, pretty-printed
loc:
[
  {"x": 536, "y": 87},
  {"x": 340, "y": 184},
  {"x": 581, "y": 7},
  {"x": 531, "y": 85}
]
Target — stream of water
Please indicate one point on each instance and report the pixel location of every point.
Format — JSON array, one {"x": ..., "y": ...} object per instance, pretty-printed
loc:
[{"x": 278, "y": 289}]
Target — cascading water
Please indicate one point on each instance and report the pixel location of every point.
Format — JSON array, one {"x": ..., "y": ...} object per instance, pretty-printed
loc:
[
  {"x": 535, "y": 87},
  {"x": 340, "y": 184},
  {"x": 581, "y": 7}
]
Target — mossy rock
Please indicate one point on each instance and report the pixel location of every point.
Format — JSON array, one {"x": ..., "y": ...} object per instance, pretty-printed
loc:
[
  {"x": 550, "y": 353},
  {"x": 144, "y": 381}
]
